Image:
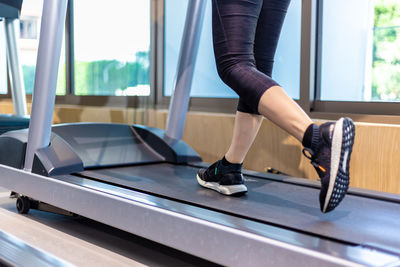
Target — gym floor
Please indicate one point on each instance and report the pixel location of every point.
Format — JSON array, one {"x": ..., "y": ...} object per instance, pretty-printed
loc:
[{"x": 84, "y": 242}]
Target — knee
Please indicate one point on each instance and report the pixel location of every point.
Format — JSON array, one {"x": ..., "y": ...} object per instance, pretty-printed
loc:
[
  {"x": 223, "y": 73},
  {"x": 230, "y": 71},
  {"x": 222, "y": 69}
]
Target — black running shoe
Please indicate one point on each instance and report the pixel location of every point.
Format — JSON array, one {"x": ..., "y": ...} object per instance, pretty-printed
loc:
[
  {"x": 330, "y": 156},
  {"x": 223, "y": 179}
]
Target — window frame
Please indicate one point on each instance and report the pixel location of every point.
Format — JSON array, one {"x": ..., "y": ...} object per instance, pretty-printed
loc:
[{"x": 368, "y": 111}]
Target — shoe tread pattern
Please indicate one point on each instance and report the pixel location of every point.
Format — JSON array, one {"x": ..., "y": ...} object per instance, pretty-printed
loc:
[{"x": 342, "y": 179}]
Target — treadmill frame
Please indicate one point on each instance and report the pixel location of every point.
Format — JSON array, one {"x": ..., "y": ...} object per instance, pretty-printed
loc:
[
  {"x": 212, "y": 236},
  {"x": 200, "y": 232}
]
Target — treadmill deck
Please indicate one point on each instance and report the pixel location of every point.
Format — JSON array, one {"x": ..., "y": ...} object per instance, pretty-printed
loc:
[{"x": 358, "y": 220}]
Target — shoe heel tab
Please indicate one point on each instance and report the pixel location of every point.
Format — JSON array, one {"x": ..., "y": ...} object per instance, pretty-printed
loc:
[{"x": 315, "y": 140}]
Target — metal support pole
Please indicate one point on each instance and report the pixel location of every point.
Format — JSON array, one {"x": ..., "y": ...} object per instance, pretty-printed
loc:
[
  {"x": 16, "y": 78},
  {"x": 48, "y": 59},
  {"x": 184, "y": 76}
]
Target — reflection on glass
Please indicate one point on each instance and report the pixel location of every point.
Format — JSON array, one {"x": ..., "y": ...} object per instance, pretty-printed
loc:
[
  {"x": 361, "y": 50},
  {"x": 112, "y": 43},
  {"x": 29, "y": 42}
]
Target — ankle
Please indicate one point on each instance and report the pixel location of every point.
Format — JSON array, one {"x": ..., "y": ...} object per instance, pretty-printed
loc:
[
  {"x": 227, "y": 162},
  {"x": 229, "y": 166},
  {"x": 311, "y": 137}
]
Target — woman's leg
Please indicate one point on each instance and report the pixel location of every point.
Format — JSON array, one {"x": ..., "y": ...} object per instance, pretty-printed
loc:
[
  {"x": 244, "y": 131},
  {"x": 292, "y": 118},
  {"x": 279, "y": 108},
  {"x": 245, "y": 35},
  {"x": 234, "y": 32}
]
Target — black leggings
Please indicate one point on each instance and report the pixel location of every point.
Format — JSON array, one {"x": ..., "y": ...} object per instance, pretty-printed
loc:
[{"x": 245, "y": 36}]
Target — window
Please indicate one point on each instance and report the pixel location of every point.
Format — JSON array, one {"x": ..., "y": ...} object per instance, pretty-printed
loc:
[
  {"x": 29, "y": 42},
  {"x": 385, "y": 83},
  {"x": 361, "y": 50},
  {"x": 29, "y": 28},
  {"x": 3, "y": 61},
  {"x": 112, "y": 47},
  {"x": 357, "y": 60},
  {"x": 206, "y": 82},
  {"x": 287, "y": 59}
]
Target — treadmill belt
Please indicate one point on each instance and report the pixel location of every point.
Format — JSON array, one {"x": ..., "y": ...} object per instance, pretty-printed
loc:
[{"x": 358, "y": 219}]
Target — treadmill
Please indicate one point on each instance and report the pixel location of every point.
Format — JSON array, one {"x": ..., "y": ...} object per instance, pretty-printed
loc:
[
  {"x": 9, "y": 13},
  {"x": 142, "y": 180}
]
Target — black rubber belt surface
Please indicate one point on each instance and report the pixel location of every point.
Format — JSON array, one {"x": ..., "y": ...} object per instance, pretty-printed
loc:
[{"x": 358, "y": 219}]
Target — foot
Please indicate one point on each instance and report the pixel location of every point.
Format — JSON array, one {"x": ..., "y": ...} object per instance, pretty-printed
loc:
[
  {"x": 227, "y": 180},
  {"x": 330, "y": 156}
]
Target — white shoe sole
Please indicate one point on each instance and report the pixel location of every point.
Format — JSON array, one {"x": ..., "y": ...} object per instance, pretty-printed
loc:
[
  {"x": 336, "y": 154},
  {"x": 223, "y": 189}
]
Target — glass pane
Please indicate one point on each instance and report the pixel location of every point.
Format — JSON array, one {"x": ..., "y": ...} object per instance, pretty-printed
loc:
[
  {"x": 361, "y": 50},
  {"x": 386, "y": 53},
  {"x": 206, "y": 82},
  {"x": 112, "y": 47},
  {"x": 3, "y": 61},
  {"x": 29, "y": 42}
]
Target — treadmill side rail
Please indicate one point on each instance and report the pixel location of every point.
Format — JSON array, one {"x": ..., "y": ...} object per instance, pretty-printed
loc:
[
  {"x": 112, "y": 144},
  {"x": 175, "y": 151},
  {"x": 56, "y": 159},
  {"x": 106, "y": 144},
  {"x": 13, "y": 147}
]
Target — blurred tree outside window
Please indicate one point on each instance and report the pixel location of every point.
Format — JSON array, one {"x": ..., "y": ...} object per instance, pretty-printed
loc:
[
  {"x": 112, "y": 47},
  {"x": 386, "y": 51}
]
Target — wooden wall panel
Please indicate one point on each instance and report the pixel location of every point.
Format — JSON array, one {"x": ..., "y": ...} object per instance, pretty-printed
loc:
[
  {"x": 376, "y": 161},
  {"x": 6, "y": 107},
  {"x": 155, "y": 118},
  {"x": 210, "y": 135}
]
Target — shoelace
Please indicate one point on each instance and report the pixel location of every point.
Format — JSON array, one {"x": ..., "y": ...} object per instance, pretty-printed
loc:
[{"x": 310, "y": 156}]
